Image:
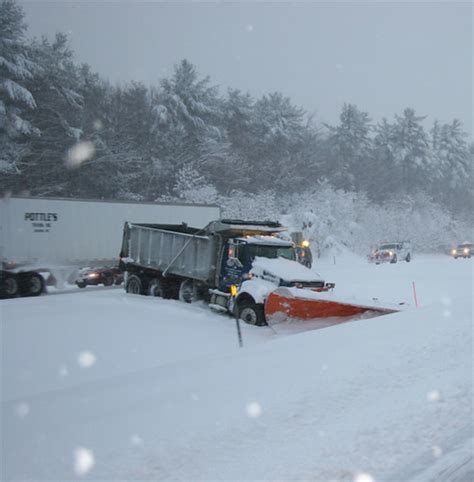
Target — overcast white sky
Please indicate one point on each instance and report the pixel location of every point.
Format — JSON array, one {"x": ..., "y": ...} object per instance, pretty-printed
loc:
[{"x": 382, "y": 56}]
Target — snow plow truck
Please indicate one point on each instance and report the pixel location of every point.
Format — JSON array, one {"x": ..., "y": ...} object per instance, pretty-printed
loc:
[{"x": 181, "y": 262}]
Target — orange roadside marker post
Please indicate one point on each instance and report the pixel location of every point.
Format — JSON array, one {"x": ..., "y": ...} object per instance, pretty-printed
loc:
[{"x": 414, "y": 294}]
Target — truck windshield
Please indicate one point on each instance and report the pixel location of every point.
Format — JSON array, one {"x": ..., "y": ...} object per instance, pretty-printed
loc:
[
  {"x": 251, "y": 251},
  {"x": 388, "y": 246}
]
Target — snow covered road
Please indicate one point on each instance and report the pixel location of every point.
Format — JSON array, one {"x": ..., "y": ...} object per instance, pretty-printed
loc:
[{"x": 100, "y": 385}]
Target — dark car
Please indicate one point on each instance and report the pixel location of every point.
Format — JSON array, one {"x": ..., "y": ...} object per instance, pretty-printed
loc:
[
  {"x": 98, "y": 276},
  {"x": 464, "y": 250}
]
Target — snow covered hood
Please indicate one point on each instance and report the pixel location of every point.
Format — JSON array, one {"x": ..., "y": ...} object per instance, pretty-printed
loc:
[{"x": 284, "y": 269}]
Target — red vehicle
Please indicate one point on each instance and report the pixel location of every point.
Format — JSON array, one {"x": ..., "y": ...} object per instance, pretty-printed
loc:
[{"x": 98, "y": 276}]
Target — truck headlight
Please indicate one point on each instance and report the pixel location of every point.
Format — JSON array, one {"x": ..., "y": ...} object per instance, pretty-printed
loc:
[{"x": 466, "y": 250}]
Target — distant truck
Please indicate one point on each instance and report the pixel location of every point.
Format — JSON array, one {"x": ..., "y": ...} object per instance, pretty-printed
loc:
[
  {"x": 304, "y": 255},
  {"x": 178, "y": 261},
  {"x": 391, "y": 252},
  {"x": 464, "y": 250},
  {"x": 51, "y": 238}
]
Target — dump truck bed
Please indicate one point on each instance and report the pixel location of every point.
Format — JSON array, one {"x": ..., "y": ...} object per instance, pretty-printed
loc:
[{"x": 172, "y": 250}]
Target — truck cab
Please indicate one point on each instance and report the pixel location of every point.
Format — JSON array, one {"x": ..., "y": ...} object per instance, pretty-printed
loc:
[{"x": 240, "y": 252}]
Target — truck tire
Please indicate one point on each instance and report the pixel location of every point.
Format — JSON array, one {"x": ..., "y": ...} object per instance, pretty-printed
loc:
[
  {"x": 251, "y": 313},
  {"x": 31, "y": 284},
  {"x": 186, "y": 291},
  {"x": 134, "y": 285},
  {"x": 158, "y": 288},
  {"x": 8, "y": 285},
  {"x": 408, "y": 258},
  {"x": 394, "y": 259}
]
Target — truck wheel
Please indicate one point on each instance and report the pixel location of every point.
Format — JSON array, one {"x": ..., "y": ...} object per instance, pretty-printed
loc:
[
  {"x": 186, "y": 291},
  {"x": 251, "y": 313},
  {"x": 8, "y": 285},
  {"x": 134, "y": 285},
  {"x": 81, "y": 285},
  {"x": 394, "y": 259},
  {"x": 31, "y": 284},
  {"x": 408, "y": 258},
  {"x": 157, "y": 288}
]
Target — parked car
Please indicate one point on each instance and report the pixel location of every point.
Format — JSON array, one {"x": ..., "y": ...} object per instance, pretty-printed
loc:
[
  {"x": 464, "y": 250},
  {"x": 97, "y": 276},
  {"x": 391, "y": 252}
]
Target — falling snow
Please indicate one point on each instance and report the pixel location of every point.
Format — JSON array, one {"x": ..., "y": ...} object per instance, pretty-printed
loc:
[
  {"x": 434, "y": 396},
  {"x": 86, "y": 359},
  {"x": 437, "y": 451},
  {"x": 254, "y": 410},
  {"x": 363, "y": 477},
  {"x": 22, "y": 409},
  {"x": 79, "y": 153},
  {"x": 83, "y": 461},
  {"x": 136, "y": 441}
]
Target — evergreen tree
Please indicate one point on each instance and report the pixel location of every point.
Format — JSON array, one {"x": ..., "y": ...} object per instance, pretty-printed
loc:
[
  {"x": 411, "y": 152},
  {"x": 187, "y": 121},
  {"x": 277, "y": 129},
  {"x": 383, "y": 172},
  {"x": 57, "y": 116},
  {"x": 16, "y": 68},
  {"x": 452, "y": 170},
  {"x": 350, "y": 146},
  {"x": 118, "y": 122},
  {"x": 238, "y": 120}
]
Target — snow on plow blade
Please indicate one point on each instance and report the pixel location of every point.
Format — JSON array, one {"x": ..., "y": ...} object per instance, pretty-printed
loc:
[{"x": 284, "y": 304}]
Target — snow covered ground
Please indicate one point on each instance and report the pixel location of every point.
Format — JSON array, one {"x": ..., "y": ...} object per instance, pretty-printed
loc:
[{"x": 101, "y": 385}]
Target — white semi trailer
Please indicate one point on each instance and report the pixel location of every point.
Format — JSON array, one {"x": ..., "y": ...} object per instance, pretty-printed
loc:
[{"x": 58, "y": 236}]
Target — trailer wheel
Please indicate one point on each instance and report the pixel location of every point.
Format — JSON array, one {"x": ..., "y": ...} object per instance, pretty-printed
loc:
[
  {"x": 8, "y": 285},
  {"x": 31, "y": 284},
  {"x": 251, "y": 313},
  {"x": 134, "y": 285}
]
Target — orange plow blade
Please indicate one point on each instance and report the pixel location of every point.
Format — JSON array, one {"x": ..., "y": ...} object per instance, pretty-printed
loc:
[{"x": 283, "y": 305}]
